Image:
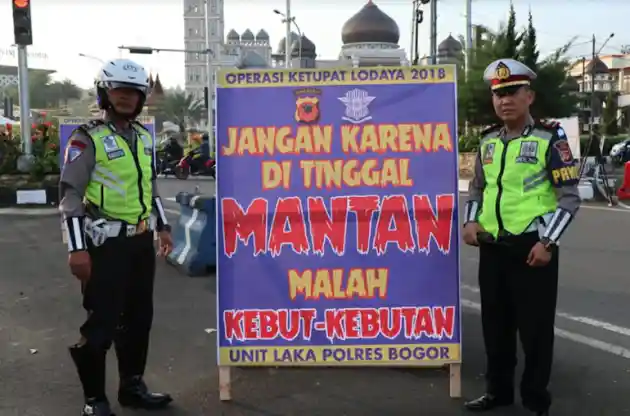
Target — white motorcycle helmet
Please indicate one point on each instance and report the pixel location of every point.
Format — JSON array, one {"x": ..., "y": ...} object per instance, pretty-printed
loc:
[{"x": 122, "y": 73}]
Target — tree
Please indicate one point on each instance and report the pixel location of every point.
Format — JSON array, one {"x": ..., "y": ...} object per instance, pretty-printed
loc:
[
  {"x": 609, "y": 115},
  {"x": 554, "y": 96},
  {"x": 65, "y": 91},
  {"x": 180, "y": 108},
  {"x": 529, "y": 49},
  {"x": 43, "y": 93},
  {"x": 508, "y": 41}
]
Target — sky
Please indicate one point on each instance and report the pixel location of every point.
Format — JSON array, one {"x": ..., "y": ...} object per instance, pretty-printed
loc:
[{"x": 63, "y": 29}]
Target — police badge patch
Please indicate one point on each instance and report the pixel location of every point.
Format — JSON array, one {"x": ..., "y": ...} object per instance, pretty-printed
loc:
[
  {"x": 74, "y": 151},
  {"x": 110, "y": 144},
  {"x": 564, "y": 150},
  {"x": 528, "y": 153},
  {"x": 488, "y": 154}
]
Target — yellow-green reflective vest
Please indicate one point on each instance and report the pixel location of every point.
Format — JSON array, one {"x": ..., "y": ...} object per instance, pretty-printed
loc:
[
  {"x": 517, "y": 189},
  {"x": 120, "y": 185}
]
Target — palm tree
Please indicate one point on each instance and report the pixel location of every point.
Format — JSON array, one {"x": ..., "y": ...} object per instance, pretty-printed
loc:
[
  {"x": 180, "y": 108},
  {"x": 65, "y": 91},
  {"x": 44, "y": 93}
]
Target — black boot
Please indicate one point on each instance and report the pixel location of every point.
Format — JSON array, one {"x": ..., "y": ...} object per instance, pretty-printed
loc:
[
  {"x": 96, "y": 408},
  {"x": 487, "y": 402},
  {"x": 90, "y": 366},
  {"x": 133, "y": 392}
]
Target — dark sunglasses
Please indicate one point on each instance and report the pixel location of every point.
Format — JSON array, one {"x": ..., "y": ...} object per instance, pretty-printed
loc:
[{"x": 507, "y": 91}]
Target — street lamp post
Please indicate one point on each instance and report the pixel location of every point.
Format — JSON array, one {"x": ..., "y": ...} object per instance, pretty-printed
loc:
[
  {"x": 145, "y": 50},
  {"x": 94, "y": 58},
  {"x": 592, "y": 74},
  {"x": 288, "y": 21},
  {"x": 591, "y": 134}
]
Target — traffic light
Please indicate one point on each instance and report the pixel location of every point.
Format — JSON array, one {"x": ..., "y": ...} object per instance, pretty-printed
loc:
[
  {"x": 22, "y": 26},
  {"x": 206, "y": 98}
]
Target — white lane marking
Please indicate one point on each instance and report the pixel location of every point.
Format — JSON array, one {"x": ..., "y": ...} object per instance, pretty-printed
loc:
[
  {"x": 607, "y": 326},
  {"x": 580, "y": 339},
  {"x": 172, "y": 211},
  {"x": 184, "y": 253}
]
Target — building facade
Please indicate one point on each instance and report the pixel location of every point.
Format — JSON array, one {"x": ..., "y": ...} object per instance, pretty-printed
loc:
[
  {"x": 233, "y": 50},
  {"x": 9, "y": 75},
  {"x": 604, "y": 75}
]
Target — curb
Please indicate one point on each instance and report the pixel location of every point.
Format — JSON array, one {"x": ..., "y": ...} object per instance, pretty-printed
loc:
[{"x": 32, "y": 212}]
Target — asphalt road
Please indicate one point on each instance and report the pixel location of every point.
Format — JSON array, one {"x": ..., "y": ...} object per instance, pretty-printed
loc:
[{"x": 40, "y": 311}]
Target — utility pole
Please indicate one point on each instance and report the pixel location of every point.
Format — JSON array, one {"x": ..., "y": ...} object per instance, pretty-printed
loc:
[
  {"x": 418, "y": 18},
  {"x": 434, "y": 32},
  {"x": 469, "y": 35},
  {"x": 591, "y": 123},
  {"x": 468, "y": 52},
  {"x": 287, "y": 40},
  {"x": 23, "y": 36},
  {"x": 209, "y": 81}
]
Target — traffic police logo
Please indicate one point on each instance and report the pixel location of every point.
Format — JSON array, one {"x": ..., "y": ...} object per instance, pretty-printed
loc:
[
  {"x": 528, "y": 153},
  {"x": 564, "y": 150},
  {"x": 110, "y": 143},
  {"x": 74, "y": 150},
  {"x": 488, "y": 153},
  {"x": 307, "y": 108},
  {"x": 73, "y": 153},
  {"x": 357, "y": 102},
  {"x": 111, "y": 148},
  {"x": 502, "y": 71}
]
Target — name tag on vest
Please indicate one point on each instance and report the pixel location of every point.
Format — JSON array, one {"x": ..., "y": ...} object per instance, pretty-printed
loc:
[
  {"x": 528, "y": 153},
  {"x": 111, "y": 148}
]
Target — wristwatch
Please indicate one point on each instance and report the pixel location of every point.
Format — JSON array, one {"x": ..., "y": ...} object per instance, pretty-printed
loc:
[
  {"x": 165, "y": 227},
  {"x": 548, "y": 243}
]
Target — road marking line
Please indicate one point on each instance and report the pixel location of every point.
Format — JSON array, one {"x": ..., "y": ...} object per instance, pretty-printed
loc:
[
  {"x": 607, "y": 326},
  {"x": 171, "y": 211},
  {"x": 184, "y": 253},
  {"x": 580, "y": 339}
]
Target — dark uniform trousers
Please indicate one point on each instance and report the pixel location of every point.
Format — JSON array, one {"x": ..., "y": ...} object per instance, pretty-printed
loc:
[
  {"x": 119, "y": 300},
  {"x": 518, "y": 298}
]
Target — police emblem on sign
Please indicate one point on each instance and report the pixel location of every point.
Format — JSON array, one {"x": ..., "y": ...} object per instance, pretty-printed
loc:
[
  {"x": 488, "y": 153},
  {"x": 307, "y": 109},
  {"x": 357, "y": 102},
  {"x": 528, "y": 153}
]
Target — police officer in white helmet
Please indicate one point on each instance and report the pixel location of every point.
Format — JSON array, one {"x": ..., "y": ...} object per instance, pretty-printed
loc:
[{"x": 108, "y": 193}]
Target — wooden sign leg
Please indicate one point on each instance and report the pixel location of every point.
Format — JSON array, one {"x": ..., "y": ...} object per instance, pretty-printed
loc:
[
  {"x": 455, "y": 371},
  {"x": 225, "y": 383}
]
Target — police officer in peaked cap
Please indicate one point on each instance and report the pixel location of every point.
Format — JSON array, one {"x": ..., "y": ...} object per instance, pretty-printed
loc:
[
  {"x": 522, "y": 199},
  {"x": 108, "y": 193}
]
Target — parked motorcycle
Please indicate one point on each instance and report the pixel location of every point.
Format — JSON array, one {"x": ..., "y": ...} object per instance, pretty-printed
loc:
[
  {"x": 620, "y": 153},
  {"x": 168, "y": 155},
  {"x": 195, "y": 164}
]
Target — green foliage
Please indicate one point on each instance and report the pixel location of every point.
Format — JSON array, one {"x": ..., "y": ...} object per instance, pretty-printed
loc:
[
  {"x": 178, "y": 108},
  {"x": 45, "y": 150},
  {"x": 609, "y": 116},
  {"x": 44, "y": 93},
  {"x": 554, "y": 96},
  {"x": 529, "y": 53}
]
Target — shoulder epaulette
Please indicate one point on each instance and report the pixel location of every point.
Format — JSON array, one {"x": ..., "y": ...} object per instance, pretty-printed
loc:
[
  {"x": 548, "y": 124},
  {"x": 138, "y": 124},
  {"x": 490, "y": 129},
  {"x": 90, "y": 125}
]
